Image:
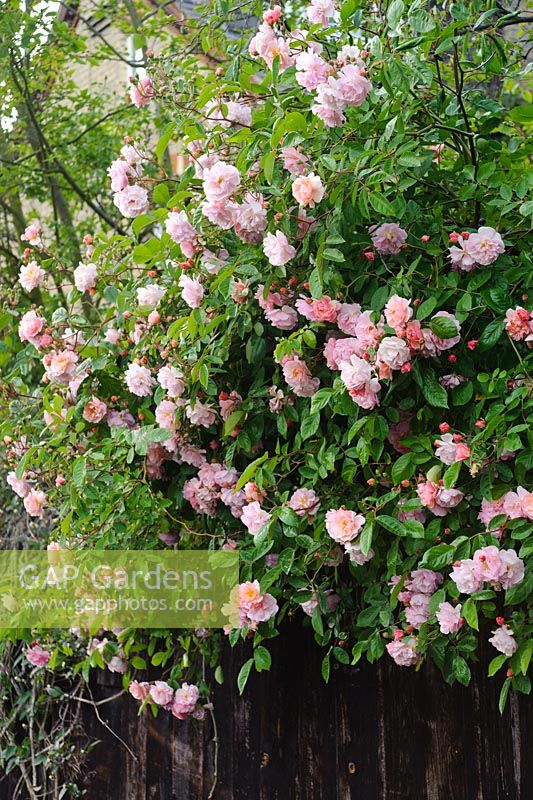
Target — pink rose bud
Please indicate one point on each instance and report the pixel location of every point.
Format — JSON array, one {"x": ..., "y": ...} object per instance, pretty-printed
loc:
[
  {"x": 453, "y": 237},
  {"x": 444, "y": 427},
  {"x": 424, "y": 238},
  {"x": 60, "y": 480},
  {"x": 472, "y": 344},
  {"x": 480, "y": 424}
]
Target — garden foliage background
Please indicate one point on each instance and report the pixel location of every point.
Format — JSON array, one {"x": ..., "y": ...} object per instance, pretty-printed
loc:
[{"x": 310, "y": 346}]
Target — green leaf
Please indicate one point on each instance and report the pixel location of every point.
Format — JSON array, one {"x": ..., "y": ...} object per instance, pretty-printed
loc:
[
  {"x": 310, "y": 425},
  {"x": 426, "y": 308},
  {"x": 443, "y": 327},
  {"x": 462, "y": 394},
  {"x": 138, "y": 662},
  {"x": 403, "y": 468},
  {"x": 437, "y": 557},
  {"x": 503, "y": 694},
  {"x": 469, "y": 613},
  {"x": 366, "y": 537},
  {"x": 394, "y": 13},
  {"x": 380, "y": 204},
  {"x": 164, "y": 139},
  {"x": 250, "y": 471},
  {"x": 451, "y": 475},
  {"x": 326, "y": 666},
  {"x": 461, "y": 670},
  {"x": 520, "y": 592},
  {"x": 341, "y": 655},
  {"x": 491, "y": 334},
  {"x": 79, "y": 471},
  {"x": 434, "y": 393},
  {"x": 267, "y": 164},
  {"x": 219, "y": 675},
  {"x": 262, "y": 658},
  {"x": 496, "y": 664},
  {"x": 293, "y": 121},
  {"x": 332, "y": 254},
  {"x": 391, "y": 524},
  {"x": 244, "y": 674}
]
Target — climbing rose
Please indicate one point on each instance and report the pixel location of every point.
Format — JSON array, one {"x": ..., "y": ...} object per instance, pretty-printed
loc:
[
  {"x": 388, "y": 238},
  {"x": 403, "y": 651},
  {"x": 131, "y": 201},
  {"x": 398, "y": 312},
  {"x": 519, "y": 323},
  {"x": 320, "y": 11},
  {"x": 192, "y": 291},
  {"x": 171, "y": 379},
  {"x": 202, "y": 414},
  {"x": 139, "y": 380},
  {"x": 254, "y": 517},
  {"x": 485, "y": 246},
  {"x": 150, "y": 295},
  {"x": 19, "y": 485},
  {"x": 142, "y": 92},
  {"x": 32, "y": 234},
  {"x": 161, "y": 693},
  {"x": 37, "y": 656},
  {"x": 343, "y": 525},
  {"x": 165, "y": 414},
  {"x": 449, "y": 451},
  {"x": 304, "y": 501},
  {"x": 294, "y": 161},
  {"x": 277, "y": 249},
  {"x": 393, "y": 352},
  {"x": 307, "y": 190},
  {"x": 34, "y": 502},
  {"x": 30, "y": 326},
  {"x": 449, "y": 618},
  {"x": 488, "y": 565},
  {"x": 94, "y": 410},
  {"x": 466, "y": 577},
  {"x": 31, "y": 276},
  {"x": 503, "y": 640},
  {"x": 60, "y": 365},
  {"x": 514, "y": 569},
  {"x": 185, "y": 699},
  {"x": 85, "y": 277},
  {"x": 254, "y": 606},
  {"x": 220, "y": 181},
  {"x": 297, "y": 375}
]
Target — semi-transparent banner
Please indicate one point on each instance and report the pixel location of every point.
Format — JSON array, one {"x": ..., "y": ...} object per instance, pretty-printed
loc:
[{"x": 116, "y": 588}]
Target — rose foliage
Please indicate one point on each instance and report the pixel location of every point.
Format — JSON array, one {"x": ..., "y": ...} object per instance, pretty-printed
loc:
[{"x": 311, "y": 346}]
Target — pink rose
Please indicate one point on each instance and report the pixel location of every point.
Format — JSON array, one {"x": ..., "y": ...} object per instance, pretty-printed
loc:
[
  {"x": 220, "y": 181},
  {"x": 294, "y": 161},
  {"x": 31, "y": 276},
  {"x": 325, "y": 309},
  {"x": 60, "y": 365},
  {"x": 353, "y": 86},
  {"x": 142, "y": 92},
  {"x": 277, "y": 249},
  {"x": 171, "y": 379},
  {"x": 519, "y": 323},
  {"x": 202, "y": 414},
  {"x": 488, "y": 565},
  {"x": 343, "y": 525},
  {"x": 320, "y": 11},
  {"x": 347, "y": 317},
  {"x": 185, "y": 700},
  {"x": 34, "y": 502},
  {"x": 449, "y": 618},
  {"x": 150, "y": 295},
  {"x": 513, "y": 569},
  {"x": 393, "y": 352},
  {"x": 165, "y": 414},
  {"x": 417, "y": 610},
  {"x": 139, "y": 380},
  {"x": 132, "y": 201},
  {"x": 94, "y": 410},
  {"x": 466, "y": 577},
  {"x": 139, "y": 690},
  {"x": 32, "y": 234},
  {"x": 297, "y": 375},
  {"x": 192, "y": 291},
  {"x": 254, "y": 517},
  {"x": 20, "y": 486},
  {"x": 304, "y": 502},
  {"x": 398, "y": 312},
  {"x": 30, "y": 326},
  {"x": 37, "y": 656},
  {"x": 161, "y": 693},
  {"x": 388, "y": 238},
  {"x": 424, "y": 581},
  {"x": 485, "y": 246},
  {"x": 284, "y": 318},
  {"x": 503, "y": 640},
  {"x": 85, "y": 277},
  {"x": 403, "y": 651},
  {"x": 307, "y": 190}
]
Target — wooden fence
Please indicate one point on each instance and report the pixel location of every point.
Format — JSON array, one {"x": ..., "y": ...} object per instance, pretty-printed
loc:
[{"x": 374, "y": 733}]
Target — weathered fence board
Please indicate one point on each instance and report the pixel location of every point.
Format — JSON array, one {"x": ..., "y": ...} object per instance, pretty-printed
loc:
[{"x": 374, "y": 733}]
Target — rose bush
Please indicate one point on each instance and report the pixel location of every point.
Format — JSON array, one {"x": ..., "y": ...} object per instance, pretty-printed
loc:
[{"x": 311, "y": 347}]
